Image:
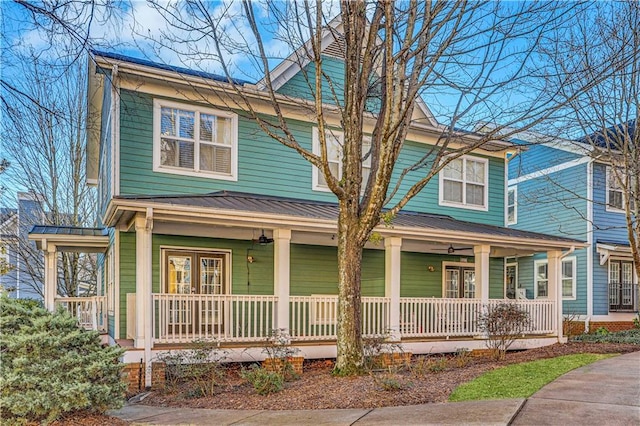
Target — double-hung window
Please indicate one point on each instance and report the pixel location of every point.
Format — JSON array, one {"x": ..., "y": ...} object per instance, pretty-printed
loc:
[
  {"x": 615, "y": 191},
  {"x": 190, "y": 140},
  {"x": 568, "y": 277},
  {"x": 464, "y": 182},
  {"x": 335, "y": 143},
  {"x": 512, "y": 205}
]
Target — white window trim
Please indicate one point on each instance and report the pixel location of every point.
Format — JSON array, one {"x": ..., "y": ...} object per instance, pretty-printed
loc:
[
  {"x": 507, "y": 264},
  {"x": 574, "y": 262},
  {"x": 228, "y": 256},
  {"x": 464, "y": 205},
  {"x": 315, "y": 175},
  {"x": 444, "y": 272},
  {"x": 537, "y": 263},
  {"x": 515, "y": 205},
  {"x": 157, "y": 167},
  {"x": 607, "y": 206}
]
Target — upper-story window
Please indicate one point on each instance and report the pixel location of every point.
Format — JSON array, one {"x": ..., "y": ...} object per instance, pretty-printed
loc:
[
  {"x": 464, "y": 183},
  {"x": 335, "y": 143},
  {"x": 615, "y": 191},
  {"x": 512, "y": 205},
  {"x": 195, "y": 141}
]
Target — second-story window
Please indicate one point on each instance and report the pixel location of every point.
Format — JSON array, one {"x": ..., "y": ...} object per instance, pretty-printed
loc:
[
  {"x": 512, "y": 205},
  {"x": 335, "y": 142},
  {"x": 615, "y": 191},
  {"x": 194, "y": 141},
  {"x": 463, "y": 183}
]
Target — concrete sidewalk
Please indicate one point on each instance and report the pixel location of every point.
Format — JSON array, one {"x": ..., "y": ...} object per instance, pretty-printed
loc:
[{"x": 604, "y": 393}]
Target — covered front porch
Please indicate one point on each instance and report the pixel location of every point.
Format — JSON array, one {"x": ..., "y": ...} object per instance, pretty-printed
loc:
[{"x": 234, "y": 267}]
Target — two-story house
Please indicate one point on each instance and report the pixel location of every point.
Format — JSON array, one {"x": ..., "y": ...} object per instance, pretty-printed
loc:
[
  {"x": 565, "y": 188},
  {"x": 214, "y": 230}
]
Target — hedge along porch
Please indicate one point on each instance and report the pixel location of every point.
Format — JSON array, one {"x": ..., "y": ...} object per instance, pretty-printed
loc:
[{"x": 192, "y": 267}]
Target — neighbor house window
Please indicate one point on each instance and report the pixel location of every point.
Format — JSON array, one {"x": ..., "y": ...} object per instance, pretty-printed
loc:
[
  {"x": 335, "y": 142},
  {"x": 463, "y": 183},
  {"x": 512, "y": 205},
  {"x": 615, "y": 191},
  {"x": 196, "y": 141},
  {"x": 568, "y": 271}
]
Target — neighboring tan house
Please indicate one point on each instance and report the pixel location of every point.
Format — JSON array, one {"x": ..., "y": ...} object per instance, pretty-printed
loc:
[
  {"x": 214, "y": 230},
  {"x": 563, "y": 188}
]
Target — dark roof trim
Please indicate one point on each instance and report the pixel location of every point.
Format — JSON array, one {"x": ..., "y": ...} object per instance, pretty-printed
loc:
[
  {"x": 179, "y": 70},
  {"x": 68, "y": 230}
]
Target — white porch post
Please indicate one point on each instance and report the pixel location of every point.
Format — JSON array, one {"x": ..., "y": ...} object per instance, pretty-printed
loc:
[
  {"x": 50, "y": 277},
  {"x": 554, "y": 276},
  {"x": 392, "y": 256},
  {"x": 481, "y": 253},
  {"x": 144, "y": 299},
  {"x": 281, "y": 275}
]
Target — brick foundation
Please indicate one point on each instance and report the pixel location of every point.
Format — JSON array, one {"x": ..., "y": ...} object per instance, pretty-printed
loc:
[
  {"x": 275, "y": 364},
  {"x": 611, "y": 326},
  {"x": 387, "y": 360},
  {"x": 572, "y": 328},
  {"x": 134, "y": 376}
]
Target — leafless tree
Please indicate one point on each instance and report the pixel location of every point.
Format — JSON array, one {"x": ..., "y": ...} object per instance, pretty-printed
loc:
[
  {"x": 48, "y": 159},
  {"x": 605, "y": 56},
  {"x": 473, "y": 62}
]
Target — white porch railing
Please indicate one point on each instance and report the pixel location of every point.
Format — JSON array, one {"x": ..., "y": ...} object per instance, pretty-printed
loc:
[
  {"x": 315, "y": 317},
  {"x": 91, "y": 311},
  {"x": 433, "y": 317},
  {"x": 182, "y": 318}
]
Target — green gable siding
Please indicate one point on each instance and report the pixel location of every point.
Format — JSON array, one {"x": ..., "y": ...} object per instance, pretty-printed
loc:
[
  {"x": 332, "y": 85},
  {"x": 266, "y": 167}
]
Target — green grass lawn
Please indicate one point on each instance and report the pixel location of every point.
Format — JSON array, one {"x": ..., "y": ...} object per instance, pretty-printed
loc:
[{"x": 521, "y": 380}]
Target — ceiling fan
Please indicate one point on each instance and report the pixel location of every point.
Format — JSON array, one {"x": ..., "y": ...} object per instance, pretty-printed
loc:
[
  {"x": 263, "y": 240},
  {"x": 452, "y": 249}
]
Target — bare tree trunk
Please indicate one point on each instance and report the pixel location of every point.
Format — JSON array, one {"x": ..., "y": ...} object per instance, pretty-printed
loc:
[{"x": 349, "y": 345}]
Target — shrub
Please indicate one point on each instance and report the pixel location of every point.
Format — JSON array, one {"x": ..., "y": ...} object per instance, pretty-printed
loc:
[
  {"x": 373, "y": 347},
  {"x": 627, "y": 336},
  {"x": 277, "y": 347},
  {"x": 201, "y": 366},
  {"x": 50, "y": 366},
  {"x": 264, "y": 381},
  {"x": 503, "y": 323}
]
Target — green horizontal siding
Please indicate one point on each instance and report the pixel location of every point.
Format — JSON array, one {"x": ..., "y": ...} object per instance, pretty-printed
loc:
[{"x": 258, "y": 173}]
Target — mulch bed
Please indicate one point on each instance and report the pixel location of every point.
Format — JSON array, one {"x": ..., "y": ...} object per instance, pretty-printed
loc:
[{"x": 318, "y": 389}]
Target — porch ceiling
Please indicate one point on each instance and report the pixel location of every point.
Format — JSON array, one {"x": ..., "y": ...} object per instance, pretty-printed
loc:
[
  {"x": 70, "y": 238},
  {"x": 422, "y": 231}
]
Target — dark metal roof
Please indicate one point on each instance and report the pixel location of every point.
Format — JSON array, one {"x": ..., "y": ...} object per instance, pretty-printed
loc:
[
  {"x": 69, "y": 230},
  {"x": 612, "y": 140},
  {"x": 166, "y": 67},
  {"x": 614, "y": 243},
  {"x": 229, "y": 200}
]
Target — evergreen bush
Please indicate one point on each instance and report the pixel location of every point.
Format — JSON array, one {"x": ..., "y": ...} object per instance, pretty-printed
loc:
[{"x": 50, "y": 366}]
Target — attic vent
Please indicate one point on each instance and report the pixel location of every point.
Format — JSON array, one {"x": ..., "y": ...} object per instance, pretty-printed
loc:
[{"x": 337, "y": 48}]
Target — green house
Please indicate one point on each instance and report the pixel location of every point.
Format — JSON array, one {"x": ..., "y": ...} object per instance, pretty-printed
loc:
[{"x": 211, "y": 229}]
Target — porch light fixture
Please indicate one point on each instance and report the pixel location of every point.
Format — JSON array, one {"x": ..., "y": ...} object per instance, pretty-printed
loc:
[
  {"x": 451, "y": 250},
  {"x": 263, "y": 240}
]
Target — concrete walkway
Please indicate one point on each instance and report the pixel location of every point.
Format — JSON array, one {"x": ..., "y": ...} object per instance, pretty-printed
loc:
[{"x": 606, "y": 392}]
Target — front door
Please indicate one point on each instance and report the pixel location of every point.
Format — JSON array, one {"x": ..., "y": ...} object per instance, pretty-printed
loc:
[
  {"x": 621, "y": 285},
  {"x": 460, "y": 282},
  {"x": 192, "y": 274}
]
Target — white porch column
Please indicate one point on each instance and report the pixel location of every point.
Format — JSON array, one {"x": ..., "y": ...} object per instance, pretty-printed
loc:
[
  {"x": 50, "y": 277},
  {"x": 144, "y": 298},
  {"x": 281, "y": 275},
  {"x": 481, "y": 254},
  {"x": 392, "y": 256},
  {"x": 554, "y": 276}
]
